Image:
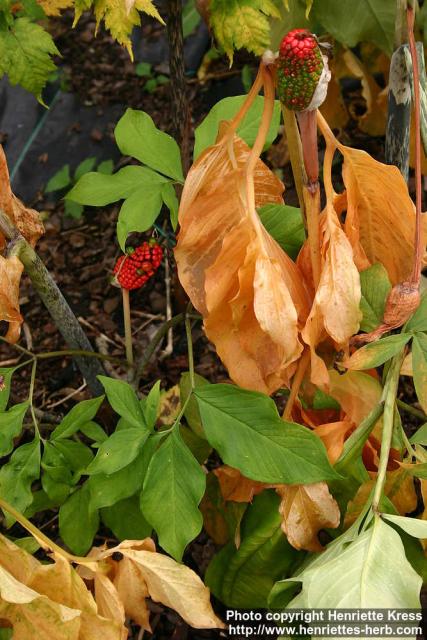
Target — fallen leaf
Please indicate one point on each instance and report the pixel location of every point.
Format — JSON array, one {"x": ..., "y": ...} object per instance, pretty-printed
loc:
[
  {"x": 250, "y": 293},
  {"x": 305, "y": 509},
  {"x": 234, "y": 486}
]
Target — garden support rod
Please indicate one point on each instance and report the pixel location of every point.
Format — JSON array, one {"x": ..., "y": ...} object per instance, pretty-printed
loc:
[{"x": 55, "y": 303}]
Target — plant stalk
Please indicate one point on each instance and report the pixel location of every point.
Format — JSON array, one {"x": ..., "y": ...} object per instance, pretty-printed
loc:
[
  {"x": 128, "y": 326},
  {"x": 55, "y": 303},
  {"x": 296, "y": 156},
  {"x": 389, "y": 395}
]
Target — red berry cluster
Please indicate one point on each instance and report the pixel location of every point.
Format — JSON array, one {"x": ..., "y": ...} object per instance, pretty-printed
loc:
[
  {"x": 300, "y": 66},
  {"x": 138, "y": 265}
]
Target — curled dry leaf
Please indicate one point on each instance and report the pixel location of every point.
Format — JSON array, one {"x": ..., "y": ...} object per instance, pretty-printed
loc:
[
  {"x": 250, "y": 293},
  {"x": 333, "y": 435},
  {"x": 236, "y": 487},
  {"x": 47, "y": 601},
  {"x": 28, "y": 223},
  {"x": 305, "y": 509}
]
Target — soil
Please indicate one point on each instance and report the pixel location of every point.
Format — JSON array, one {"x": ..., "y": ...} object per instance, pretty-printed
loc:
[{"x": 81, "y": 254}]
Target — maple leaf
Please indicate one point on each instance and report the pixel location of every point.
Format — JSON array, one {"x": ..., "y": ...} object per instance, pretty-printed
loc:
[
  {"x": 120, "y": 17},
  {"x": 54, "y": 7},
  {"x": 305, "y": 509},
  {"x": 25, "y": 55},
  {"x": 28, "y": 223},
  {"x": 241, "y": 24}
]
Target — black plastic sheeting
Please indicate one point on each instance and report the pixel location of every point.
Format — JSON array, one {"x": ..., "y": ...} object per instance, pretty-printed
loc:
[{"x": 39, "y": 141}]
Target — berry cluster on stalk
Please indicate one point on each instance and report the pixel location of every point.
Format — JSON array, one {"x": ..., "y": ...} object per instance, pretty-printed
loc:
[{"x": 138, "y": 265}]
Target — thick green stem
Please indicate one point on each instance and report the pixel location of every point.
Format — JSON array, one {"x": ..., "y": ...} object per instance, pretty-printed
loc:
[{"x": 389, "y": 394}]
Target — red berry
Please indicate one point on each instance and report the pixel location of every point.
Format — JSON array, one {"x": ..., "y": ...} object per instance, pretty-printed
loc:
[{"x": 133, "y": 269}]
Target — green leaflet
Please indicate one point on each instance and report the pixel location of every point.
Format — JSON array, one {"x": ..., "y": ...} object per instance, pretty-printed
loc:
[
  {"x": 124, "y": 401},
  {"x": 78, "y": 524},
  {"x": 11, "y": 426},
  {"x": 78, "y": 416},
  {"x": 415, "y": 528},
  {"x": 25, "y": 55},
  {"x": 206, "y": 133},
  {"x": 420, "y": 436},
  {"x": 376, "y": 353},
  {"x": 139, "y": 212},
  {"x": 371, "y": 572},
  {"x": 6, "y": 378},
  {"x": 243, "y": 577},
  {"x": 173, "y": 488},
  {"x": 240, "y": 424},
  {"x": 375, "y": 286},
  {"x": 192, "y": 413},
  {"x": 119, "y": 450},
  {"x": 285, "y": 225},
  {"x": 418, "y": 322},
  {"x": 137, "y": 136},
  {"x": 17, "y": 476},
  {"x": 98, "y": 189},
  {"x": 419, "y": 365},
  {"x": 125, "y": 520}
]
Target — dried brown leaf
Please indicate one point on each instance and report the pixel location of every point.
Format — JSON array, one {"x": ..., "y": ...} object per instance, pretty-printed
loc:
[
  {"x": 305, "y": 509},
  {"x": 236, "y": 487}
]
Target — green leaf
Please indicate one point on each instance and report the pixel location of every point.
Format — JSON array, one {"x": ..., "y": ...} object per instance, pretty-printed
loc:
[
  {"x": 25, "y": 55},
  {"x": 418, "y": 470},
  {"x": 171, "y": 201},
  {"x": 371, "y": 572},
  {"x": 78, "y": 416},
  {"x": 173, "y": 488},
  {"x": 106, "y": 490},
  {"x": 376, "y": 353},
  {"x": 78, "y": 524},
  {"x": 375, "y": 288},
  {"x": 60, "y": 180},
  {"x": 126, "y": 520},
  {"x": 73, "y": 209},
  {"x": 137, "y": 136},
  {"x": 139, "y": 212},
  {"x": 240, "y": 424},
  {"x": 246, "y": 77},
  {"x": 41, "y": 502},
  {"x": 244, "y": 577},
  {"x": 143, "y": 69},
  {"x": 57, "y": 478},
  {"x": 5, "y": 382},
  {"x": 413, "y": 526},
  {"x": 190, "y": 18},
  {"x": 151, "y": 404},
  {"x": 241, "y": 24},
  {"x": 285, "y": 225},
  {"x": 11, "y": 426},
  {"x": 192, "y": 413},
  {"x": 95, "y": 432},
  {"x": 84, "y": 167},
  {"x": 322, "y": 400},
  {"x": 17, "y": 476},
  {"x": 418, "y": 322},
  {"x": 119, "y": 450},
  {"x": 199, "y": 447},
  {"x": 371, "y": 21},
  {"x": 419, "y": 365},
  {"x": 123, "y": 400},
  {"x": 420, "y": 436},
  {"x": 206, "y": 133},
  {"x": 98, "y": 189},
  {"x": 76, "y": 454},
  {"x": 106, "y": 167}
]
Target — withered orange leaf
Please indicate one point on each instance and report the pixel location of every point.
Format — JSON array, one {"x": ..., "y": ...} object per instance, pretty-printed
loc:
[
  {"x": 10, "y": 275},
  {"x": 250, "y": 293},
  {"x": 380, "y": 215},
  {"x": 333, "y": 435},
  {"x": 305, "y": 509},
  {"x": 236, "y": 487}
]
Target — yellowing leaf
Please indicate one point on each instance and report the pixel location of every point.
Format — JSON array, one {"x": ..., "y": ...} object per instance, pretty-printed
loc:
[
  {"x": 357, "y": 393},
  {"x": 120, "y": 17},
  {"x": 54, "y": 7},
  {"x": 236, "y": 487},
  {"x": 333, "y": 435},
  {"x": 248, "y": 290},
  {"x": 380, "y": 215},
  {"x": 10, "y": 276},
  {"x": 305, "y": 510},
  {"x": 241, "y": 24}
]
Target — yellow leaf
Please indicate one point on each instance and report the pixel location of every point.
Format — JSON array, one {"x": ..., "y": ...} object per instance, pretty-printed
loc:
[
  {"x": 380, "y": 215},
  {"x": 54, "y": 7},
  {"x": 356, "y": 392},
  {"x": 305, "y": 509},
  {"x": 121, "y": 16},
  {"x": 248, "y": 290}
]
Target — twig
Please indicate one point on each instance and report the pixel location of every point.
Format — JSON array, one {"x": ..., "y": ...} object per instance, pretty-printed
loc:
[
  {"x": 158, "y": 337},
  {"x": 67, "y": 397},
  {"x": 128, "y": 326},
  {"x": 169, "y": 346}
]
